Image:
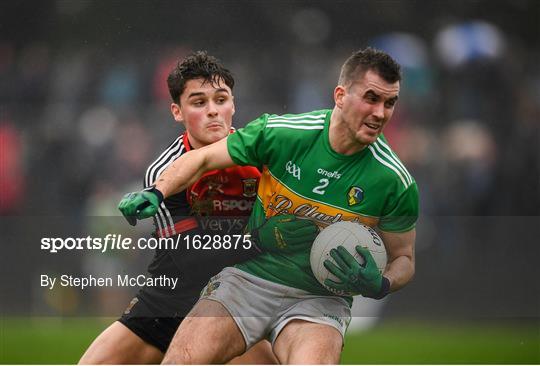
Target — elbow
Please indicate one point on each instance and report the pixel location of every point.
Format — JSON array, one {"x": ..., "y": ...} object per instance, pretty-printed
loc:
[{"x": 203, "y": 159}]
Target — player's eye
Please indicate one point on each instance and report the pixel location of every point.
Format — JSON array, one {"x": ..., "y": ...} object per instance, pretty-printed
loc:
[
  {"x": 390, "y": 103},
  {"x": 371, "y": 98},
  {"x": 221, "y": 100},
  {"x": 198, "y": 103}
]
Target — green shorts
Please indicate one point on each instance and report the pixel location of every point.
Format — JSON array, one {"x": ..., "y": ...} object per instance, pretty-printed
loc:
[{"x": 261, "y": 308}]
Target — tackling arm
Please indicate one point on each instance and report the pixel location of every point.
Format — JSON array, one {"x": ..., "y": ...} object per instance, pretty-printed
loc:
[
  {"x": 177, "y": 177},
  {"x": 188, "y": 168},
  {"x": 400, "y": 252}
]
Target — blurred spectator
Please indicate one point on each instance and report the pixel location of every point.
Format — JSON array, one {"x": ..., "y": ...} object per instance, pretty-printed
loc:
[{"x": 12, "y": 180}]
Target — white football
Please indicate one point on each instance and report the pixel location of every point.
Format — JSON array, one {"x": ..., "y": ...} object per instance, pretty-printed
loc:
[{"x": 349, "y": 235}]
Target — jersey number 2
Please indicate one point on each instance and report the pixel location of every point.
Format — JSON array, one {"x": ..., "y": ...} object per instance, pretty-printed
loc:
[{"x": 320, "y": 189}]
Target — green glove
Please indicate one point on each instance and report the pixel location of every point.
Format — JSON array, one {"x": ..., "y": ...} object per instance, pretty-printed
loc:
[
  {"x": 285, "y": 234},
  {"x": 140, "y": 205},
  {"x": 355, "y": 278}
]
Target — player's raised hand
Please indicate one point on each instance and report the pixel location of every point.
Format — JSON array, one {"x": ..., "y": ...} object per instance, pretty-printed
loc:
[
  {"x": 364, "y": 279},
  {"x": 285, "y": 234},
  {"x": 140, "y": 205}
]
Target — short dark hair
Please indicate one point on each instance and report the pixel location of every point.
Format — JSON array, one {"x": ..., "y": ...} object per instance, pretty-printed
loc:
[
  {"x": 367, "y": 59},
  {"x": 197, "y": 65}
]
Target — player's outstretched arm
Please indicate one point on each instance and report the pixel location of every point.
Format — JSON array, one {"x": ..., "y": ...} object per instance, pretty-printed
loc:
[
  {"x": 183, "y": 172},
  {"x": 187, "y": 169}
]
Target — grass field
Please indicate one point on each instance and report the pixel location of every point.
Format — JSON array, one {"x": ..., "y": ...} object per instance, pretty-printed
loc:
[{"x": 62, "y": 341}]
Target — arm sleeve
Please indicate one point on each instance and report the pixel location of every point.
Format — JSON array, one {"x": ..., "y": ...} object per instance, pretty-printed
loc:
[
  {"x": 247, "y": 145},
  {"x": 404, "y": 212}
]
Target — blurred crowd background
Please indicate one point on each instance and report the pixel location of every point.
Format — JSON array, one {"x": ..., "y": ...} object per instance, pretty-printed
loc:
[{"x": 84, "y": 108}]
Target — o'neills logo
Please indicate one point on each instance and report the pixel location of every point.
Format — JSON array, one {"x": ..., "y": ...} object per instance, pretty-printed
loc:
[
  {"x": 326, "y": 173},
  {"x": 283, "y": 205}
]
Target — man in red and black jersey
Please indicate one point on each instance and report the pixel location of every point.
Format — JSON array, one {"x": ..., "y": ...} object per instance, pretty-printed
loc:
[{"x": 219, "y": 203}]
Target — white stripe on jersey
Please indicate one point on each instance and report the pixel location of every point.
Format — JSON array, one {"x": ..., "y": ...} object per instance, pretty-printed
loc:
[
  {"x": 150, "y": 176},
  {"x": 163, "y": 217},
  {"x": 275, "y": 120},
  {"x": 298, "y": 117},
  {"x": 297, "y": 122},
  {"x": 297, "y": 127},
  {"x": 395, "y": 163},
  {"x": 164, "y": 211},
  {"x": 380, "y": 141},
  {"x": 383, "y": 162}
]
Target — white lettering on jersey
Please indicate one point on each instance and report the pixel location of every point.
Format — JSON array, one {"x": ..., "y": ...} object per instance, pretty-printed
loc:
[
  {"x": 326, "y": 173},
  {"x": 229, "y": 205},
  {"x": 293, "y": 169},
  {"x": 281, "y": 206},
  {"x": 227, "y": 225},
  {"x": 320, "y": 189}
]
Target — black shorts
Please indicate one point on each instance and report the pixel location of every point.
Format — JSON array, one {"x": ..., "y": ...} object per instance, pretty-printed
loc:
[{"x": 154, "y": 315}]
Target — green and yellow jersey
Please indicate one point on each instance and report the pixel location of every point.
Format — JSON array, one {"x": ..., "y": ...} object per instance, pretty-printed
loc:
[{"x": 304, "y": 176}]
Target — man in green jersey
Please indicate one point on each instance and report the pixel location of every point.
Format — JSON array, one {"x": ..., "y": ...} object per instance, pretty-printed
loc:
[{"x": 326, "y": 166}]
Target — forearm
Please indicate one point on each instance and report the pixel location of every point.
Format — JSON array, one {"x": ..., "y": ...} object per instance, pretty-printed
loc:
[
  {"x": 183, "y": 172},
  {"x": 188, "y": 168},
  {"x": 401, "y": 263},
  {"x": 399, "y": 272}
]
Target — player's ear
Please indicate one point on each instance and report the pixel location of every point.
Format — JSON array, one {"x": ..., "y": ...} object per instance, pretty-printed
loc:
[
  {"x": 233, "y": 108},
  {"x": 176, "y": 111},
  {"x": 339, "y": 93}
]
